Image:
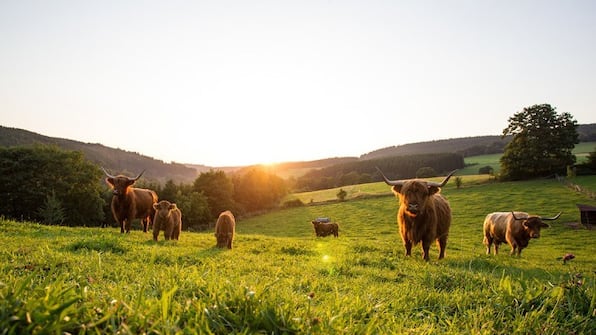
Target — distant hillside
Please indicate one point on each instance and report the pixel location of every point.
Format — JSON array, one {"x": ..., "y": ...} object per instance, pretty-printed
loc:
[
  {"x": 587, "y": 132},
  {"x": 115, "y": 160},
  {"x": 131, "y": 163},
  {"x": 467, "y": 146}
]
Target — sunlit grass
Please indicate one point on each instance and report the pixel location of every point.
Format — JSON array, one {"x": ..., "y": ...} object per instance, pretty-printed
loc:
[{"x": 280, "y": 278}]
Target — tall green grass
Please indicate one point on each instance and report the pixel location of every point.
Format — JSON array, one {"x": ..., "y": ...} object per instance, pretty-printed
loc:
[{"x": 281, "y": 279}]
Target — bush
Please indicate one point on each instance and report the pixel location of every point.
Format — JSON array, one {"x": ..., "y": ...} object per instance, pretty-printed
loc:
[
  {"x": 293, "y": 203},
  {"x": 426, "y": 172},
  {"x": 341, "y": 195}
]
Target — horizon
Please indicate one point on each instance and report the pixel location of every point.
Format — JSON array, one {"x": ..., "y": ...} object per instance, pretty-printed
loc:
[
  {"x": 260, "y": 163},
  {"x": 232, "y": 83}
]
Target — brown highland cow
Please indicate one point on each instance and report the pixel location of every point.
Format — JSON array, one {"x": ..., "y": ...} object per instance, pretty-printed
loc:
[
  {"x": 129, "y": 203},
  {"x": 225, "y": 229},
  {"x": 167, "y": 218},
  {"x": 424, "y": 215},
  {"x": 323, "y": 229},
  {"x": 514, "y": 228}
]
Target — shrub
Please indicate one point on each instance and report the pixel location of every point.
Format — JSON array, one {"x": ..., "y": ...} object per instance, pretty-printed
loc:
[
  {"x": 426, "y": 172},
  {"x": 341, "y": 195}
]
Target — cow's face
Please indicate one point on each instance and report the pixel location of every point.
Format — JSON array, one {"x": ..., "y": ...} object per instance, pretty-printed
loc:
[
  {"x": 120, "y": 184},
  {"x": 532, "y": 226},
  {"x": 413, "y": 196},
  {"x": 164, "y": 208}
]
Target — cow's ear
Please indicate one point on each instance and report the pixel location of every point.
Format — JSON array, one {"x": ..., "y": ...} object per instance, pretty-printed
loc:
[
  {"x": 433, "y": 189},
  {"x": 396, "y": 189},
  {"x": 110, "y": 181},
  {"x": 172, "y": 206},
  {"x": 155, "y": 206},
  {"x": 544, "y": 225},
  {"x": 525, "y": 223},
  {"x": 130, "y": 182}
]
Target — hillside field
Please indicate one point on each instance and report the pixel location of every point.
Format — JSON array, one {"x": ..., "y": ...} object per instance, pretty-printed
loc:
[{"x": 281, "y": 279}]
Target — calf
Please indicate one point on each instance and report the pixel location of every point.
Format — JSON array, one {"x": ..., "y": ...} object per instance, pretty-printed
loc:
[
  {"x": 514, "y": 228},
  {"x": 225, "y": 229},
  {"x": 323, "y": 229},
  {"x": 167, "y": 218}
]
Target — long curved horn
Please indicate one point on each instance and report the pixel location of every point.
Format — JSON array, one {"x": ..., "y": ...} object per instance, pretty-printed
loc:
[
  {"x": 441, "y": 184},
  {"x": 553, "y": 218},
  {"x": 107, "y": 174},
  {"x": 139, "y": 176},
  {"x": 387, "y": 181},
  {"x": 515, "y": 217}
]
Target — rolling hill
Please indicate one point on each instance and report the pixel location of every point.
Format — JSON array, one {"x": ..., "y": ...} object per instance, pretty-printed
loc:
[
  {"x": 118, "y": 160},
  {"x": 115, "y": 160}
]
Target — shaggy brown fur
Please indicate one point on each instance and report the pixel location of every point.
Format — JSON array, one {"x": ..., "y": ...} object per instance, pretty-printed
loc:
[
  {"x": 424, "y": 216},
  {"x": 323, "y": 229},
  {"x": 167, "y": 218},
  {"x": 129, "y": 203},
  {"x": 502, "y": 227},
  {"x": 225, "y": 229}
]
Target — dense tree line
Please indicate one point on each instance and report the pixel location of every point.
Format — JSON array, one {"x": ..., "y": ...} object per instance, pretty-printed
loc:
[
  {"x": 50, "y": 185},
  {"x": 364, "y": 171},
  {"x": 47, "y": 184}
]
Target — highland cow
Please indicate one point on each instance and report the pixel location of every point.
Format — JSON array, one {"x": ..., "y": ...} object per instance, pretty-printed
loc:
[
  {"x": 225, "y": 229},
  {"x": 129, "y": 203},
  {"x": 514, "y": 228},
  {"x": 167, "y": 218},
  {"x": 323, "y": 229},
  {"x": 424, "y": 215}
]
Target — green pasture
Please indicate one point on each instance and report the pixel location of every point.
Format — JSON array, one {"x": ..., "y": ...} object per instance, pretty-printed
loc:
[
  {"x": 281, "y": 279},
  {"x": 581, "y": 152}
]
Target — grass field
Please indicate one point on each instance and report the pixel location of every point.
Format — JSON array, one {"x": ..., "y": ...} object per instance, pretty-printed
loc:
[
  {"x": 280, "y": 279},
  {"x": 581, "y": 152}
]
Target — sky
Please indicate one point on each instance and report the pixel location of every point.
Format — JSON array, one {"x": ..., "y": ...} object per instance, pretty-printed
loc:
[{"x": 230, "y": 83}]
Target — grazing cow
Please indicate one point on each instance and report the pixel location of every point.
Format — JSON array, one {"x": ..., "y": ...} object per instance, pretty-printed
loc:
[
  {"x": 129, "y": 203},
  {"x": 167, "y": 218},
  {"x": 323, "y": 229},
  {"x": 225, "y": 229},
  {"x": 424, "y": 214},
  {"x": 514, "y": 228}
]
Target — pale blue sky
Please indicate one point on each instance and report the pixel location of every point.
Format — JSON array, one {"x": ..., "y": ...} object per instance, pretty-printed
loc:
[{"x": 243, "y": 82}]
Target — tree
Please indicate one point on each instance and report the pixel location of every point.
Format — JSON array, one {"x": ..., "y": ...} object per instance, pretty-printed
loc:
[
  {"x": 195, "y": 210},
  {"x": 218, "y": 189},
  {"x": 52, "y": 212},
  {"x": 39, "y": 179},
  {"x": 541, "y": 145},
  {"x": 256, "y": 189}
]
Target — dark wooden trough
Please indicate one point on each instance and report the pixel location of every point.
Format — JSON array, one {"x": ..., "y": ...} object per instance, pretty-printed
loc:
[{"x": 587, "y": 215}]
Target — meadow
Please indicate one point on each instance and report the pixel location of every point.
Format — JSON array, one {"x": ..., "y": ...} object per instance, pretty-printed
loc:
[{"x": 281, "y": 279}]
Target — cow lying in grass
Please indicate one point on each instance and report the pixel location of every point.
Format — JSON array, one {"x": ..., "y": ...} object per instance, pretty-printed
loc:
[
  {"x": 323, "y": 229},
  {"x": 225, "y": 229}
]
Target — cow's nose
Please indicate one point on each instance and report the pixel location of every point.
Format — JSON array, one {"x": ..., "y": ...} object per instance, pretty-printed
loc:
[
  {"x": 413, "y": 208},
  {"x": 115, "y": 192}
]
